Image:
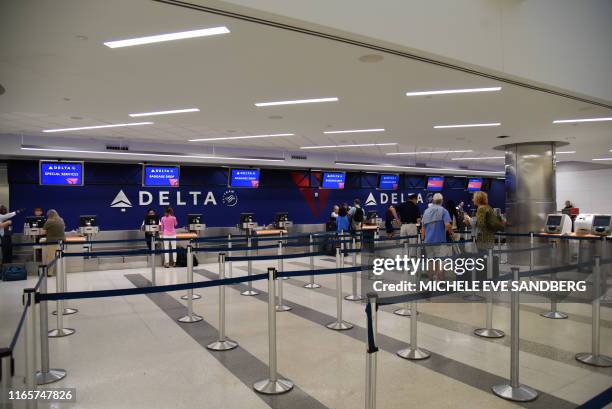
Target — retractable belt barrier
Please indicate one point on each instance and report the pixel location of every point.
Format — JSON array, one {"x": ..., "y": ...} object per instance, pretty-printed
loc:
[
  {"x": 274, "y": 256},
  {"x": 507, "y": 251}
]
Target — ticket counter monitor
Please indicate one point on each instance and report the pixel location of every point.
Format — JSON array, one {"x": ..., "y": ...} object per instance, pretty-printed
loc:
[
  {"x": 281, "y": 221},
  {"x": 247, "y": 222},
  {"x": 558, "y": 224},
  {"x": 33, "y": 228},
  {"x": 195, "y": 223},
  {"x": 602, "y": 225},
  {"x": 151, "y": 224},
  {"x": 88, "y": 227},
  {"x": 373, "y": 218}
]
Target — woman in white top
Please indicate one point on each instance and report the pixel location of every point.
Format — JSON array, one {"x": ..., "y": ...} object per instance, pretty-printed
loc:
[{"x": 334, "y": 213}]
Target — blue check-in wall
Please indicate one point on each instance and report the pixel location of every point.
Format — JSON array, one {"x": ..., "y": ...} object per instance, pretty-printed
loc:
[{"x": 114, "y": 192}]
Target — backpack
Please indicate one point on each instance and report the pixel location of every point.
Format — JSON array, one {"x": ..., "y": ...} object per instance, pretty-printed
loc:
[
  {"x": 358, "y": 215},
  {"x": 14, "y": 272},
  {"x": 181, "y": 257}
]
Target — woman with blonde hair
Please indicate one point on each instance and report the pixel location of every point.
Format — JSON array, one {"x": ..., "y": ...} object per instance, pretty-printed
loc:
[{"x": 486, "y": 222}]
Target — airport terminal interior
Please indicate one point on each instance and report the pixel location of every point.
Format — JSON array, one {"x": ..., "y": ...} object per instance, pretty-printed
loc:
[{"x": 308, "y": 204}]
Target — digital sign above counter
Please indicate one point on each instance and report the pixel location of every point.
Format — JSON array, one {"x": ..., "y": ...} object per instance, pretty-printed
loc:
[
  {"x": 333, "y": 180},
  {"x": 474, "y": 185},
  {"x": 160, "y": 176},
  {"x": 61, "y": 173},
  {"x": 435, "y": 183},
  {"x": 388, "y": 182},
  {"x": 248, "y": 178}
]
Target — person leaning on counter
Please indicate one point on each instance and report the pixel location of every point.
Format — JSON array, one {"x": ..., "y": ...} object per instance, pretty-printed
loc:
[{"x": 55, "y": 229}]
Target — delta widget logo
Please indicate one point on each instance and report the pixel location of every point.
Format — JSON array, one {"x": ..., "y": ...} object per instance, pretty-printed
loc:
[{"x": 230, "y": 198}]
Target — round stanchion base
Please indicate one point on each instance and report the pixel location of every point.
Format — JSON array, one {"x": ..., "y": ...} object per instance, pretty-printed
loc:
[
  {"x": 225, "y": 345},
  {"x": 283, "y": 308},
  {"x": 312, "y": 286},
  {"x": 404, "y": 312},
  {"x": 58, "y": 333},
  {"x": 268, "y": 387},
  {"x": 249, "y": 293},
  {"x": 54, "y": 375},
  {"x": 521, "y": 393},
  {"x": 188, "y": 319},
  {"x": 489, "y": 333},
  {"x": 554, "y": 315},
  {"x": 353, "y": 297},
  {"x": 67, "y": 311},
  {"x": 473, "y": 298},
  {"x": 283, "y": 278},
  {"x": 413, "y": 354},
  {"x": 193, "y": 297},
  {"x": 602, "y": 361},
  {"x": 339, "y": 325}
]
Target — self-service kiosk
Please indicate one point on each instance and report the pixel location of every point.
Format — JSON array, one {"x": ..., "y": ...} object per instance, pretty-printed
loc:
[
  {"x": 247, "y": 222},
  {"x": 602, "y": 225},
  {"x": 281, "y": 221},
  {"x": 88, "y": 226},
  {"x": 372, "y": 218},
  {"x": 558, "y": 224},
  {"x": 195, "y": 223},
  {"x": 151, "y": 224}
]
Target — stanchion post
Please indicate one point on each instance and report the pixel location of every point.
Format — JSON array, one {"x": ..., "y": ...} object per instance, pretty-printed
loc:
[
  {"x": 152, "y": 260},
  {"x": 513, "y": 390},
  {"x": 229, "y": 254},
  {"x": 190, "y": 317},
  {"x": 339, "y": 324},
  {"x": 311, "y": 285},
  {"x": 371, "y": 358},
  {"x": 280, "y": 306},
  {"x": 45, "y": 375},
  {"x": 60, "y": 331},
  {"x": 249, "y": 291},
  {"x": 6, "y": 373},
  {"x": 488, "y": 331},
  {"x": 553, "y": 314},
  {"x": 354, "y": 296},
  {"x": 413, "y": 352},
  {"x": 67, "y": 310},
  {"x": 531, "y": 242},
  {"x": 29, "y": 300},
  {"x": 595, "y": 358},
  {"x": 190, "y": 293},
  {"x": 273, "y": 385},
  {"x": 223, "y": 343},
  {"x": 405, "y": 310}
]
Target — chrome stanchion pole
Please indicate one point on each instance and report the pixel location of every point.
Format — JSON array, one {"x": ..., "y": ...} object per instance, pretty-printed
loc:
[
  {"x": 405, "y": 310},
  {"x": 29, "y": 299},
  {"x": 531, "y": 241},
  {"x": 190, "y": 293},
  {"x": 45, "y": 375},
  {"x": 605, "y": 298},
  {"x": 249, "y": 291},
  {"x": 229, "y": 254},
  {"x": 488, "y": 331},
  {"x": 553, "y": 314},
  {"x": 513, "y": 390},
  {"x": 370, "y": 381},
  {"x": 67, "y": 310},
  {"x": 6, "y": 373},
  {"x": 413, "y": 352},
  {"x": 473, "y": 297},
  {"x": 594, "y": 357},
  {"x": 312, "y": 283},
  {"x": 273, "y": 385},
  {"x": 280, "y": 306},
  {"x": 190, "y": 317},
  {"x": 152, "y": 260},
  {"x": 60, "y": 331},
  {"x": 223, "y": 343},
  {"x": 339, "y": 324},
  {"x": 354, "y": 296}
]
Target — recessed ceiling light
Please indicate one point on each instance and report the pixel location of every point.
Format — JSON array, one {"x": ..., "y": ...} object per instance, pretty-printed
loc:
[
  {"x": 480, "y": 158},
  {"x": 174, "y": 111},
  {"x": 358, "y": 145},
  {"x": 452, "y": 91},
  {"x": 384, "y": 165},
  {"x": 602, "y": 159},
  {"x": 160, "y": 38},
  {"x": 297, "y": 101},
  {"x": 572, "y": 121},
  {"x": 82, "y": 128},
  {"x": 356, "y": 131},
  {"x": 225, "y": 138},
  {"x": 426, "y": 153},
  {"x": 564, "y": 152},
  {"x": 466, "y": 125}
]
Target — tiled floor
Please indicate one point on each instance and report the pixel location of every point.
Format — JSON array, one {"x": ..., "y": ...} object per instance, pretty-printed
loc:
[{"x": 129, "y": 352}]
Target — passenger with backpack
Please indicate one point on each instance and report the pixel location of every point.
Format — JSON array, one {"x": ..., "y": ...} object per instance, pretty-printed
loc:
[{"x": 356, "y": 216}]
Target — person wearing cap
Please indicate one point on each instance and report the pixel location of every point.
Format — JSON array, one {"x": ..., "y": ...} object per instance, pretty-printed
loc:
[{"x": 409, "y": 215}]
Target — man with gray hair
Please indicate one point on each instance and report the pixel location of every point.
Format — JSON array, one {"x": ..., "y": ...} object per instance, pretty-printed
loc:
[{"x": 436, "y": 222}]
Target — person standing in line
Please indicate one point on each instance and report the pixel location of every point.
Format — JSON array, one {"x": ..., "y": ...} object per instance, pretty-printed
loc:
[
  {"x": 342, "y": 221},
  {"x": 168, "y": 231},
  {"x": 148, "y": 235},
  {"x": 6, "y": 232},
  {"x": 409, "y": 215},
  {"x": 486, "y": 222},
  {"x": 390, "y": 219},
  {"x": 334, "y": 213},
  {"x": 356, "y": 215},
  {"x": 436, "y": 224},
  {"x": 54, "y": 228}
]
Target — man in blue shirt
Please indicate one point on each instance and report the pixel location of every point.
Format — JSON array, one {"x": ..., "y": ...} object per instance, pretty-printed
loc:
[{"x": 435, "y": 223}]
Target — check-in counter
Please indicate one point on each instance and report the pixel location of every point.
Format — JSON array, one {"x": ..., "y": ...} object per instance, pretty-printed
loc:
[
  {"x": 568, "y": 251},
  {"x": 74, "y": 244}
]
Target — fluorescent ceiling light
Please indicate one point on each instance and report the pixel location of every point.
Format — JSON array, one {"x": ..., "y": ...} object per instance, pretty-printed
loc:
[
  {"x": 466, "y": 125},
  {"x": 356, "y": 131},
  {"x": 174, "y": 111},
  {"x": 465, "y": 171},
  {"x": 225, "y": 138},
  {"x": 297, "y": 101},
  {"x": 483, "y": 158},
  {"x": 572, "y": 121},
  {"x": 82, "y": 128},
  {"x": 426, "y": 153},
  {"x": 168, "y": 155},
  {"x": 358, "y": 145},
  {"x": 453, "y": 91},
  {"x": 564, "y": 152},
  {"x": 602, "y": 159},
  {"x": 160, "y": 38}
]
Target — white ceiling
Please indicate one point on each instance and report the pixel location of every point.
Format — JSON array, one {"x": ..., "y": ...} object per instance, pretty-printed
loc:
[{"x": 58, "y": 74}]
